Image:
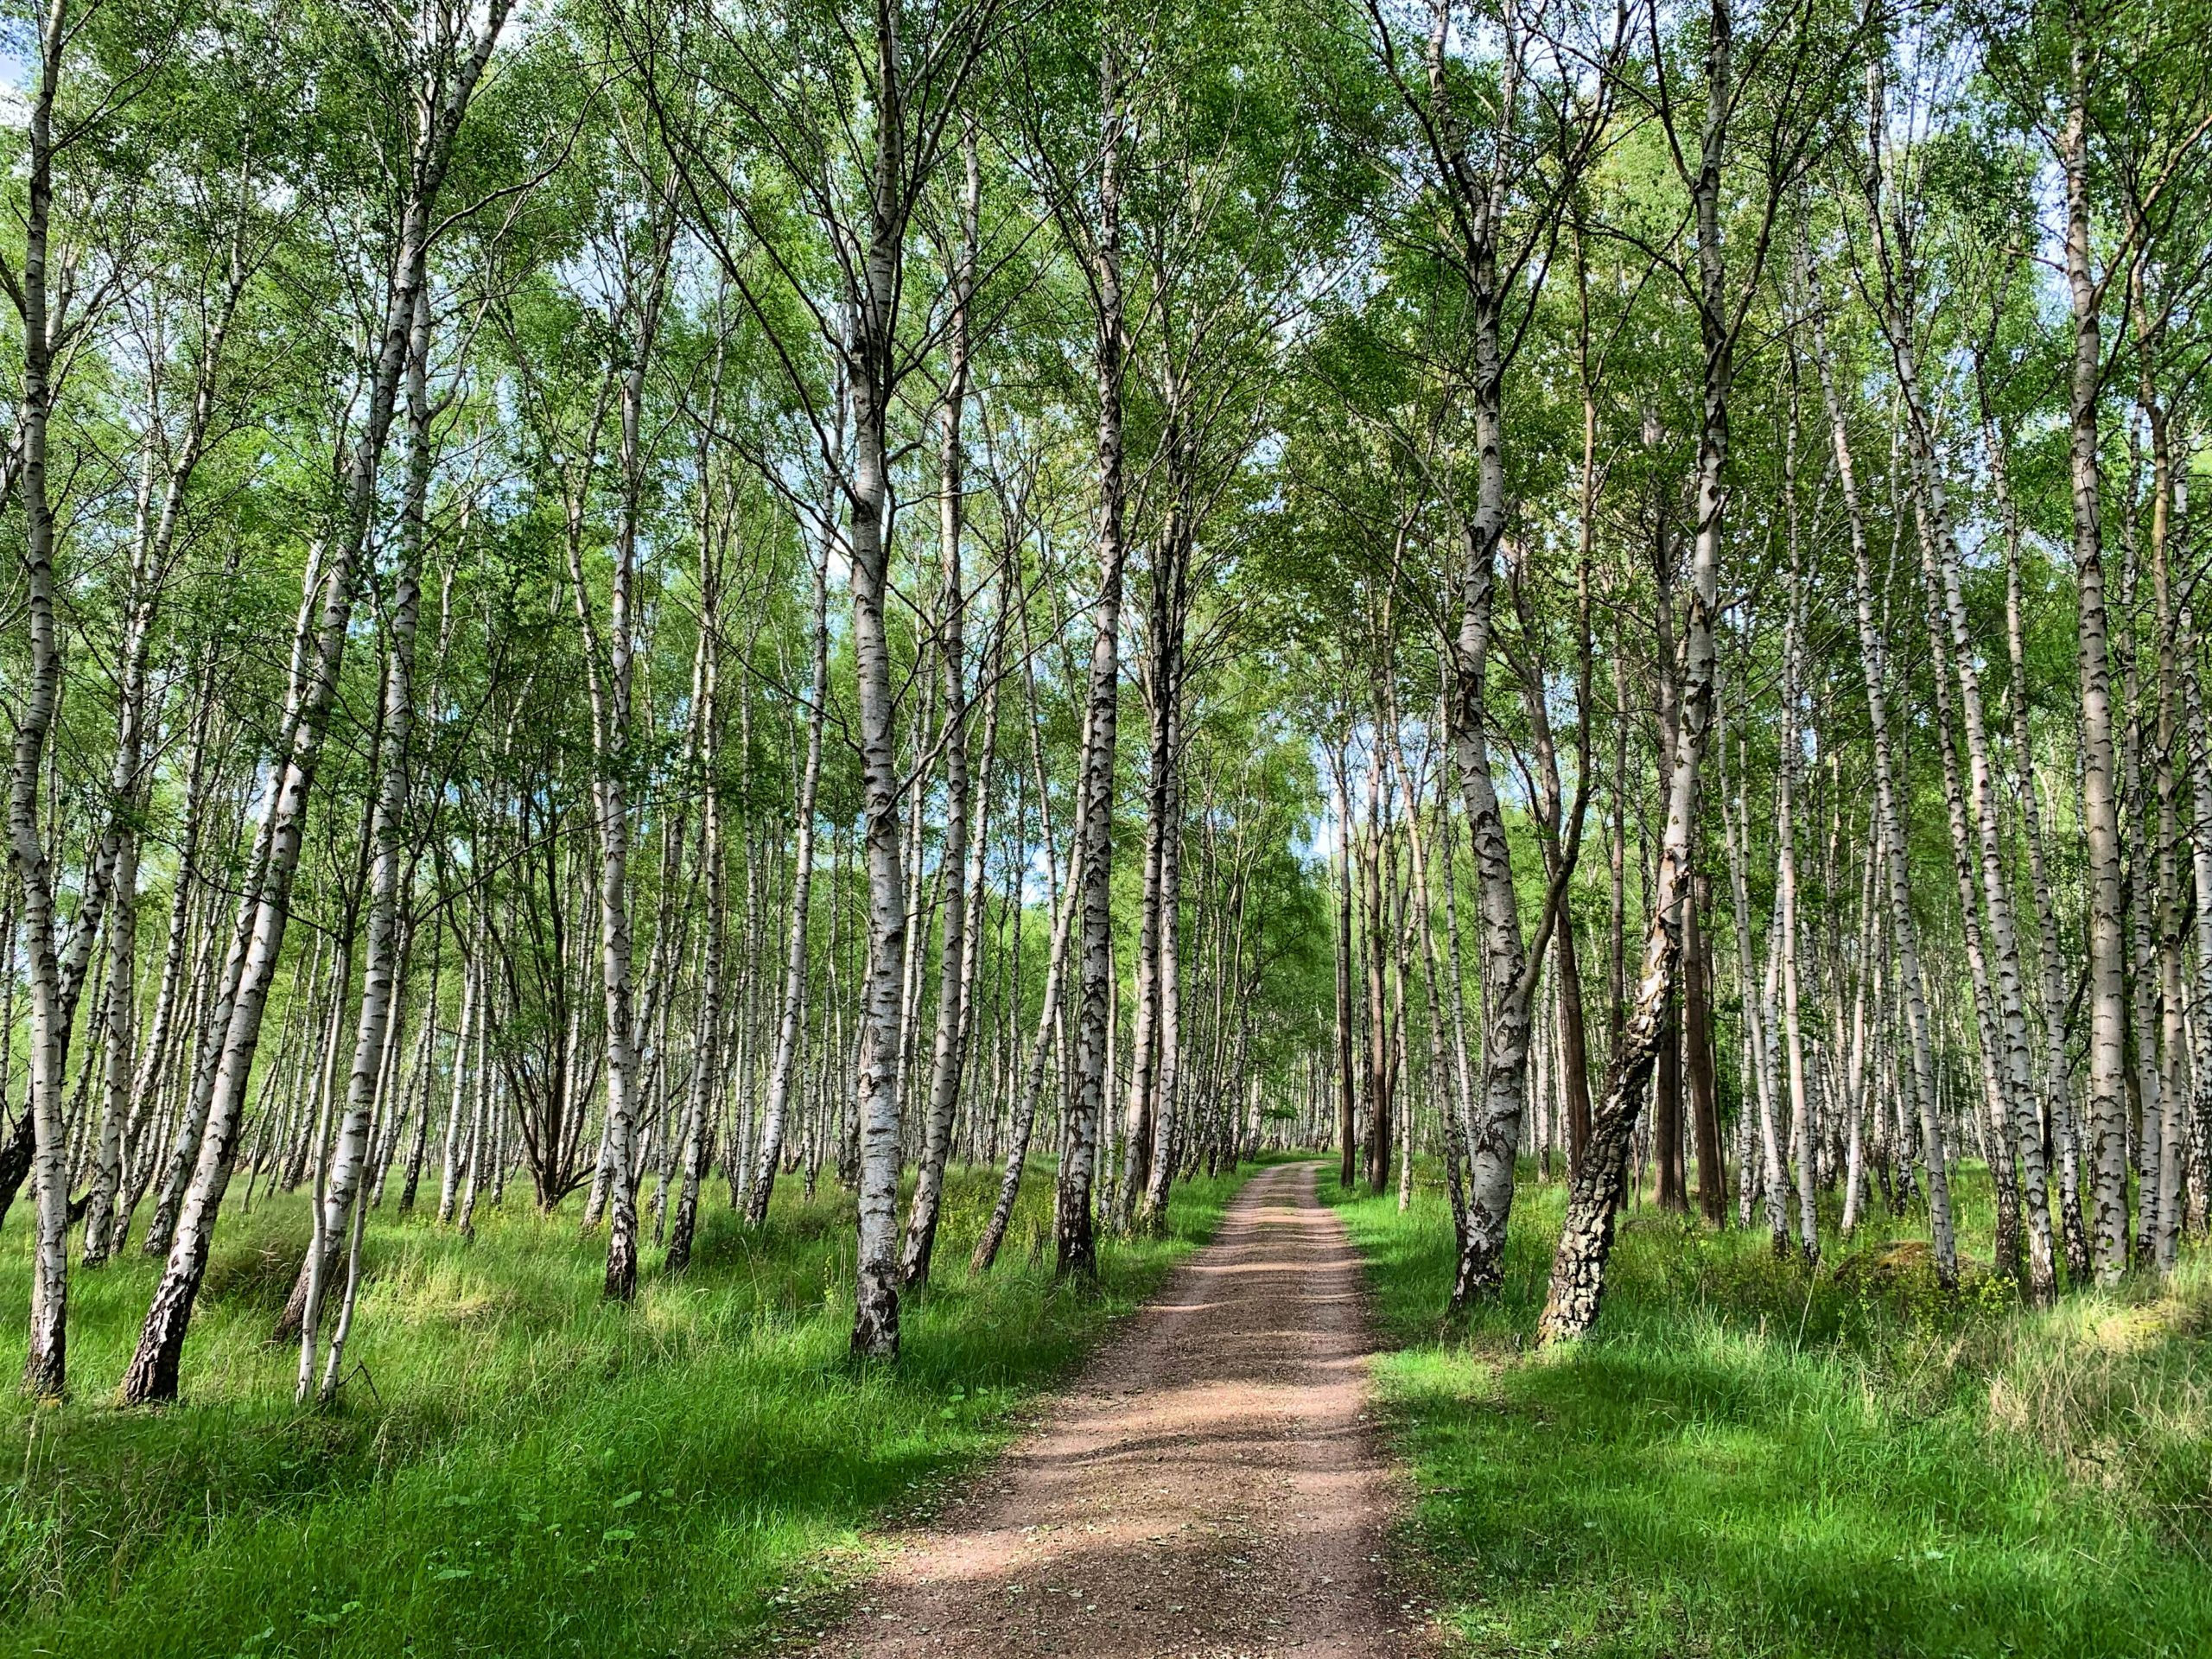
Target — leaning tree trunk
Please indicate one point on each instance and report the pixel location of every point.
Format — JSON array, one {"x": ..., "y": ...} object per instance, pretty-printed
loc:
[
  {"x": 153, "y": 1372},
  {"x": 154, "y": 537},
  {"x": 378, "y": 986},
  {"x": 1890, "y": 834},
  {"x": 1594, "y": 1195},
  {"x": 156, "y": 1058}
]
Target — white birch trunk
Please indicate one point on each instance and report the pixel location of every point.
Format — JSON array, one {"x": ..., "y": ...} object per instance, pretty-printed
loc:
[{"x": 438, "y": 115}]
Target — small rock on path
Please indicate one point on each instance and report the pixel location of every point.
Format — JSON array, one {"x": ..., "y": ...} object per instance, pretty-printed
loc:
[{"x": 1213, "y": 1487}]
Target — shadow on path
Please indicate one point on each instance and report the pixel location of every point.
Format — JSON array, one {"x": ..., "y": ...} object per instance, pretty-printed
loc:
[{"x": 1210, "y": 1488}]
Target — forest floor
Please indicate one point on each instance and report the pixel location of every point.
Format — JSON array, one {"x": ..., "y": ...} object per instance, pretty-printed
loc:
[
  {"x": 515, "y": 1468},
  {"x": 1213, "y": 1485},
  {"x": 1747, "y": 1458}
]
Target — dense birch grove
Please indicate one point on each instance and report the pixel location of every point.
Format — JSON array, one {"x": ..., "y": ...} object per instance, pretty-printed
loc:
[{"x": 625, "y": 605}]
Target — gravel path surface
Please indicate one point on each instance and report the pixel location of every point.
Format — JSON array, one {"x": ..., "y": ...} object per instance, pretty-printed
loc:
[{"x": 1211, "y": 1487}]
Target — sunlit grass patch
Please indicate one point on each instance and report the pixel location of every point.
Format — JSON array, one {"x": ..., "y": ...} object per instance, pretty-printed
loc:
[
  {"x": 1749, "y": 1457},
  {"x": 516, "y": 1467}
]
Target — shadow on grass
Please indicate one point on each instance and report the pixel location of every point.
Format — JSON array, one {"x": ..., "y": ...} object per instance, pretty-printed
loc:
[
  {"x": 1751, "y": 1460},
  {"x": 521, "y": 1470}
]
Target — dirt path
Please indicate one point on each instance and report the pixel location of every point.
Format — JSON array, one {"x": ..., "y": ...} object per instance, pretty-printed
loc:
[{"x": 1210, "y": 1488}]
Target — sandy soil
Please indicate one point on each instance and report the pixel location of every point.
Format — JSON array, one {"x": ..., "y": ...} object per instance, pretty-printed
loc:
[{"x": 1211, "y": 1487}]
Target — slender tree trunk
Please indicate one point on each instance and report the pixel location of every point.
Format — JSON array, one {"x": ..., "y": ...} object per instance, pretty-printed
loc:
[
  {"x": 1382, "y": 1071},
  {"x": 791, "y": 1025},
  {"x": 2057, "y": 1071},
  {"x": 1594, "y": 1196},
  {"x": 1041, "y": 1051},
  {"x": 2108, "y": 969},
  {"x": 1951, "y": 635},
  {"x": 1757, "y": 1027},
  {"x": 610, "y": 671},
  {"x": 706, "y": 1082},
  {"x": 946, "y": 1052},
  {"x": 1890, "y": 834},
  {"x": 1168, "y": 1116},
  {"x": 1785, "y": 791},
  {"x": 2200, "y": 781},
  {"x": 1137, "y": 1115},
  {"x": 1346, "y": 1128},
  {"x": 46, "y": 1365},
  {"x": 1697, "y": 1026},
  {"x": 380, "y": 980},
  {"x": 869, "y": 372},
  {"x": 1075, "y": 1247},
  {"x": 153, "y": 1372}
]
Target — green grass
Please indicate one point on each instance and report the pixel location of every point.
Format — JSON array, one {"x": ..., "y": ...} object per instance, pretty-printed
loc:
[
  {"x": 520, "y": 1469},
  {"x": 1746, "y": 1459}
]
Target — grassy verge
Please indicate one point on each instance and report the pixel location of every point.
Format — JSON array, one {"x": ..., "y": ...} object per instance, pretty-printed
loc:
[
  {"x": 519, "y": 1469},
  {"x": 1747, "y": 1459}
]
